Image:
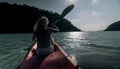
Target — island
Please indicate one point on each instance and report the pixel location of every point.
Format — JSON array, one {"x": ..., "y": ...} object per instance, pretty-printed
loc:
[
  {"x": 114, "y": 27},
  {"x": 16, "y": 18}
]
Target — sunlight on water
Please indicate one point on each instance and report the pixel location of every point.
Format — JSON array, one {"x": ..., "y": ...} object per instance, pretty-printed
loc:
[
  {"x": 73, "y": 57},
  {"x": 79, "y": 35},
  {"x": 91, "y": 50},
  {"x": 75, "y": 39}
]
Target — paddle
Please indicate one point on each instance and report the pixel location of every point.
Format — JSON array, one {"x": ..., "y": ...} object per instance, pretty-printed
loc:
[
  {"x": 64, "y": 13},
  {"x": 67, "y": 10}
]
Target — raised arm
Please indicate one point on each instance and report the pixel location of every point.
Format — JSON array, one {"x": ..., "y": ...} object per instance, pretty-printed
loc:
[{"x": 54, "y": 29}]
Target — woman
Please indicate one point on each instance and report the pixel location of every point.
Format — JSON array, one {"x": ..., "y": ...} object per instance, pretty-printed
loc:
[{"x": 42, "y": 36}]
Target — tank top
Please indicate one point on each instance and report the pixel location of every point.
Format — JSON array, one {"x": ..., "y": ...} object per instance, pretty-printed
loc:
[{"x": 44, "y": 39}]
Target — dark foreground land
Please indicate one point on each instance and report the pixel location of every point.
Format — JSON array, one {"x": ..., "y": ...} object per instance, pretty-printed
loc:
[{"x": 21, "y": 18}]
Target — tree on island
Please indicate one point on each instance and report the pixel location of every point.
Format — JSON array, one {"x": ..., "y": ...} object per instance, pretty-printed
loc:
[
  {"x": 16, "y": 18},
  {"x": 113, "y": 27}
]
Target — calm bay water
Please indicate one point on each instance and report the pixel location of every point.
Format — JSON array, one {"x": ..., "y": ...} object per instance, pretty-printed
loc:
[{"x": 91, "y": 50}]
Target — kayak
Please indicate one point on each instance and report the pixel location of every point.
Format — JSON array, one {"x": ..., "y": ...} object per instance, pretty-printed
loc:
[{"x": 59, "y": 59}]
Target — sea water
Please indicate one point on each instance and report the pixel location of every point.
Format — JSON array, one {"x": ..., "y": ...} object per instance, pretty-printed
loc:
[{"x": 91, "y": 50}]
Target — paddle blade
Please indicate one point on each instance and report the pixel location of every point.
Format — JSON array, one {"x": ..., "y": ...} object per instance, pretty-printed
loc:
[{"x": 67, "y": 10}]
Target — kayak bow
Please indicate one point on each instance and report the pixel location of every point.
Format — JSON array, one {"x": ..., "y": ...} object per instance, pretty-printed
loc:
[{"x": 59, "y": 59}]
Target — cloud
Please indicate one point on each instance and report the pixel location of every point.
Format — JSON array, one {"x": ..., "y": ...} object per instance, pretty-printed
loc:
[
  {"x": 74, "y": 20},
  {"x": 89, "y": 21},
  {"x": 94, "y": 2},
  {"x": 92, "y": 26},
  {"x": 95, "y": 13},
  {"x": 71, "y": 1}
]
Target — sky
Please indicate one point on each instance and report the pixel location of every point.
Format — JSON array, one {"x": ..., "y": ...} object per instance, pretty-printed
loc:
[{"x": 87, "y": 15}]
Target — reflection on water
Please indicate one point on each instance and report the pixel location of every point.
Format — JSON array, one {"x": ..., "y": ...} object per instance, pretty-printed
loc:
[
  {"x": 75, "y": 39},
  {"x": 91, "y": 50},
  {"x": 76, "y": 35}
]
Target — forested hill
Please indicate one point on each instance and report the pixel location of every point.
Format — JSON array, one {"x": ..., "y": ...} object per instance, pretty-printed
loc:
[
  {"x": 16, "y": 18},
  {"x": 113, "y": 27}
]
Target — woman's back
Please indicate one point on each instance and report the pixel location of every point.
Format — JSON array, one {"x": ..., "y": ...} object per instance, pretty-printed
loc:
[{"x": 44, "y": 39}]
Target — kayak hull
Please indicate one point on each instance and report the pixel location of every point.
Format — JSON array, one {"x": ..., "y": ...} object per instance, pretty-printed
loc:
[{"x": 59, "y": 59}]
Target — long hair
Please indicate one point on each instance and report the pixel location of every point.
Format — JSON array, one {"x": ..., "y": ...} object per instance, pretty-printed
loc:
[{"x": 41, "y": 24}]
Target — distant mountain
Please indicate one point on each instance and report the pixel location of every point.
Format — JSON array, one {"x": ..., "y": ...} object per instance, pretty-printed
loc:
[
  {"x": 16, "y": 18},
  {"x": 113, "y": 27}
]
